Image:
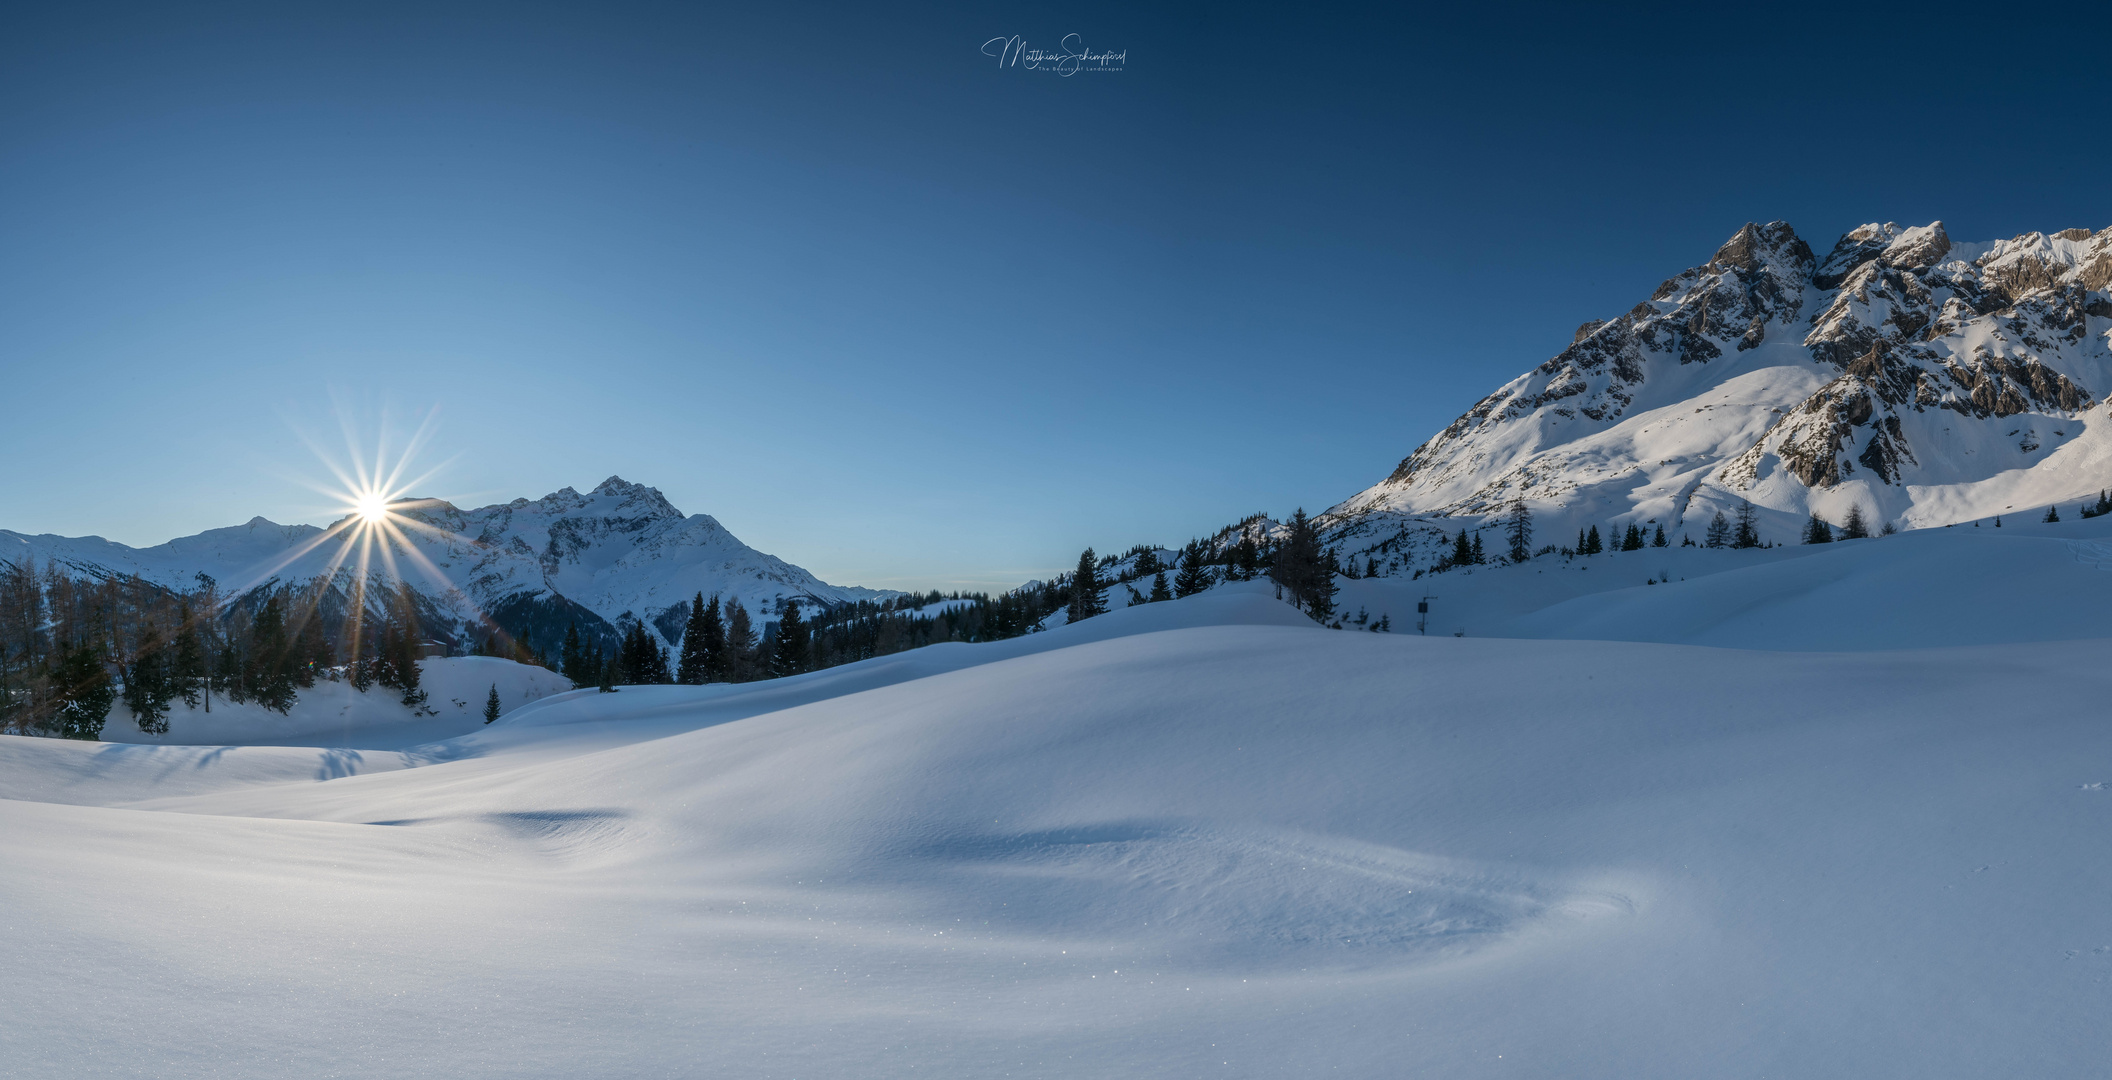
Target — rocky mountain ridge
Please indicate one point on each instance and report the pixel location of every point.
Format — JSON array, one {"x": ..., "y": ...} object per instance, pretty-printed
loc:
[
  {"x": 1927, "y": 381},
  {"x": 531, "y": 565}
]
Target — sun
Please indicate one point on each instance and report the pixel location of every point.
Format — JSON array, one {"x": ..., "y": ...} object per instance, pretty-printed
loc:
[{"x": 373, "y": 508}]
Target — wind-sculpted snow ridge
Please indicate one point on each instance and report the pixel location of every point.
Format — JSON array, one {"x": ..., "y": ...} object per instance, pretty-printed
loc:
[
  {"x": 1202, "y": 837},
  {"x": 532, "y": 565},
  {"x": 1923, "y": 380}
]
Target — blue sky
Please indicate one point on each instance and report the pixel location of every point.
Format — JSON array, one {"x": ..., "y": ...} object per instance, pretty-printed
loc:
[{"x": 884, "y": 308}]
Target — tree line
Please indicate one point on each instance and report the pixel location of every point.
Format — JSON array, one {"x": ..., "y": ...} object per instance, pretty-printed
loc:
[{"x": 71, "y": 649}]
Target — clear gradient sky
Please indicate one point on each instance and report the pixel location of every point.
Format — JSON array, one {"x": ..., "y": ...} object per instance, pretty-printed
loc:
[{"x": 887, "y": 310}]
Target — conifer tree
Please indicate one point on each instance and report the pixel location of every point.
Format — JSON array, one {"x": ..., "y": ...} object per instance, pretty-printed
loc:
[
  {"x": 789, "y": 651},
  {"x": 1632, "y": 540},
  {"x": 1518, "y": 530},
  {"x": 1159, "y": 591},
  {"x": 691, "y": 670},
  {"x": 572, "y": 656},
  {"x": 1855, "y": 527},
  {"x": 1816, "y": 531},
  {"x": 1719, "y": 533},
  {"x": 2053, "y": 515},
  {"x": 1194, "y": 575},
  {"x": 1086, "y": 597},
  {"x": 187, "y": 658},
  {"x": 1659, "y": 540},
  {"x": 1745, "y": 532},
  {"x": 715, "y": 651},
  {"x": 271, "y": 667},
  {"x": 610, "y": 676},
  {"x": 1580, "y": 543},
  {"x": 1592, "y": 544},
  {"x": 491, "y": 704},
  {"x": 148, "y": 685},
  {"x": 740, "y": 643},
  {"x": 1462, "y": 550},
  {"x": 82, "y": 693},
  {"x": 1479, "y": 557}
]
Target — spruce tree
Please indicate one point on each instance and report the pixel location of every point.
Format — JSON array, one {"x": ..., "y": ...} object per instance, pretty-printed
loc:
[
  {"x": 2053, "y": 515},
  {"x": 1719, "y": 533},
  {"x": 788, "y": 652},
  {"x": 1816, "y": 531},
  {"x": 1159, "y": 591},
  {"x": 1745, "y": 532},
  {"x": 609, "y": 675},
  {"x": 148, "y": 685},
  {"x": 1592, "y": 544},
  {"x": 1480, "y": 558},
  {"x": 572, "y": 656},
  {"x": 1194, "y": 575},
  {"x": 187, "y": 660},
  {"x": 82, "y": 693},
  {"x": 1659, "y": 540},
  {"x": 1632, "y": 540},
  {"x": 271, "y": 658},
  {"x": 740, "y": 643},
  {"x": 1855, "y": 527},
  {"x": 1087, "y": 599},
  {"x": 1462, "y": 550},
  {"x": 714, "y": 646},
  {"x": 491, "y": 704},
  {"x": 1518, "y": 530},
  {"x": 691, "y": 669}
]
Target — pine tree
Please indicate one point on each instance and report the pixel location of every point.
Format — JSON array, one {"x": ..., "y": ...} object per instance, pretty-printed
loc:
[
  {"x": 1159, "y": 591},
  {"x": 1592, "y": 544},
  {"x": 1816, "y": 531},
  {"x": 1719, "y": 533},
  {"x": 2052, "y": 516},
  {"x": 1480, "y": 557},
  {"x": 740, "y": 643},
  {"x": 82, "y": 694},
  {"x": 1998, "y": 521},
  {"x": 1659, "y": 540},
  {"x": 491, "y": 704},
  {"x": 1579, "y": 549},
  {"x": 1086, "y": 597},
  {"x": 1518, "y": 530},
  {"x": 1194, "y": 575},
  {"x": 572, "y": 656},
  {"x": 1462, "y": 551},
  {"x": 609, "y": 675},
  {"x": 408, "y": 637},
  {"x": 1855, "y": 527},
  {"x": 148, "y": 685},
  {"x": 1305, "y": 572},
  {"x": 789, "y": 644},
  {"x": 1632, "y": 540},
  {"x": 693, "y": 668},
  {"x": 187, "y": 660},
  {"x": 271, "y": 659},
  {"x": 1745, "y": 532},
  {"x": 714, "y": 630}
]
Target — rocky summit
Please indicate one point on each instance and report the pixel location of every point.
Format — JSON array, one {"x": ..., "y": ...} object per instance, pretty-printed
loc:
[{"x": 1924, "y": 380}]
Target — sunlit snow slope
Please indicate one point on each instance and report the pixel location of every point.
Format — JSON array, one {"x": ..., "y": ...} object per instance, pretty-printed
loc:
[{"x": 1198, "y": 838}]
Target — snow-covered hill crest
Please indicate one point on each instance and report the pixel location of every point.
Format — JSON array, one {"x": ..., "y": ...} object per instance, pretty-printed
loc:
[{"x": 1926, "y": 380}]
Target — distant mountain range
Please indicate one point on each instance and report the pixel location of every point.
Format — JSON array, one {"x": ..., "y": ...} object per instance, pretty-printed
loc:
[
  {"x": 1927, "y": 380},
  {"x": 529, "y": 566}
]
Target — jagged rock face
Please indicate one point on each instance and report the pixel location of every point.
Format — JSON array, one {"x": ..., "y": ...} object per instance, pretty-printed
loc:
[{"x": 1903, "y": 359}]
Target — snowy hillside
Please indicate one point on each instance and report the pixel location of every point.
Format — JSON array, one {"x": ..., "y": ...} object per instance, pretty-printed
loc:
[
  {"x": 618, "y": 550},
  {"x": 1202, "y": 837},
  {"x": 333, "y": 713},
  {"x": 1925, "y": 380}
]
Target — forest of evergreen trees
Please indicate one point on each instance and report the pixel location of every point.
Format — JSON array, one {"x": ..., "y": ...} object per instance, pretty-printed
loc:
[{"x": 71, "y": 649}]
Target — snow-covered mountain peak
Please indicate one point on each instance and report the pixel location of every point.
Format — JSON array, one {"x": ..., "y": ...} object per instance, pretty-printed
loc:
[
  {"x": 1922, "y": 379},
  {"x": 532, "y": 566}
]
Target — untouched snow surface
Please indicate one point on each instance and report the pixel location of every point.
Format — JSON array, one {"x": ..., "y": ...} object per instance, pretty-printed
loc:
[{"x": 1200, "y": 838}]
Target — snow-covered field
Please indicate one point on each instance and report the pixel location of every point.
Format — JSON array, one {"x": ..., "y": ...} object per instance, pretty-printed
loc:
[{"x": 1199, "y": 838}]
